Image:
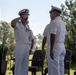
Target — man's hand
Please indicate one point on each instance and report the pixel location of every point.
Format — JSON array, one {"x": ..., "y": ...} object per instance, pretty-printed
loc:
[{"x": 52, "y": 54}]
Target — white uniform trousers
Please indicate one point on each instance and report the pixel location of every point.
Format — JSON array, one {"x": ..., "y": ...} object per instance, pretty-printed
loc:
[
  {"x": 21, "y": 59},
  {"x": 56, "y": 65}
]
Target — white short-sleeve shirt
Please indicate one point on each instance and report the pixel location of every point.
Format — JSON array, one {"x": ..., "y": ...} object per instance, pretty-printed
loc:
[
  {"x": 46, "y": 33},
  {"x": 58, "y": 27},
  {"x": 22, "y": 33}
]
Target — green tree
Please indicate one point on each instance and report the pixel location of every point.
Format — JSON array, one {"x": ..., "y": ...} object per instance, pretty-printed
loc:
[
  {"x": 38, "y": 41},
  {"x": 5, "y": 34},
  {"x": 69, "y": 16}
]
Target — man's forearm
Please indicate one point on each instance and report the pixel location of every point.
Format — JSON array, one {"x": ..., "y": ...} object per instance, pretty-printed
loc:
[
  {"x": 13, "y": 22},
  {"x": 44, "y": 42},
  {"x": 52, "y": 40},
  {"x": 32, "y": 43}
]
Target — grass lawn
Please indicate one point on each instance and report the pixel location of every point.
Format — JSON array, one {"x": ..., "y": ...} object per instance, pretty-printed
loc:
[{"x": 9, "y": 72}]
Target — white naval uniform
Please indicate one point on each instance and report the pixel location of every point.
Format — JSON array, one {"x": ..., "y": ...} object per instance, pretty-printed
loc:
[
  {"x": 58, "y": 27},
  {"x": 23, "y": 37},
  {"x": 46, "y": 34}
]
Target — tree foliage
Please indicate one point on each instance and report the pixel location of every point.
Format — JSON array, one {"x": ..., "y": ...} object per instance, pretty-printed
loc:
[
  {"x": 69, "y": 16},
  {"x": 6, "y": 36}
]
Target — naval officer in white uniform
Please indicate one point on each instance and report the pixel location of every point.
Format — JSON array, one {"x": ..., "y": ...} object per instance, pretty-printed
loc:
[
  {"x": 46, "y": 39},
  {"x": 24, "y": 42},
  {"x": 57, "y": 39}
]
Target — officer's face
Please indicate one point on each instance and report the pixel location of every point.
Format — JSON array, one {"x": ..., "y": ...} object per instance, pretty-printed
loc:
[
  {"x": 52, "y": 15},
  {"x": 24, "y": 15}
]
